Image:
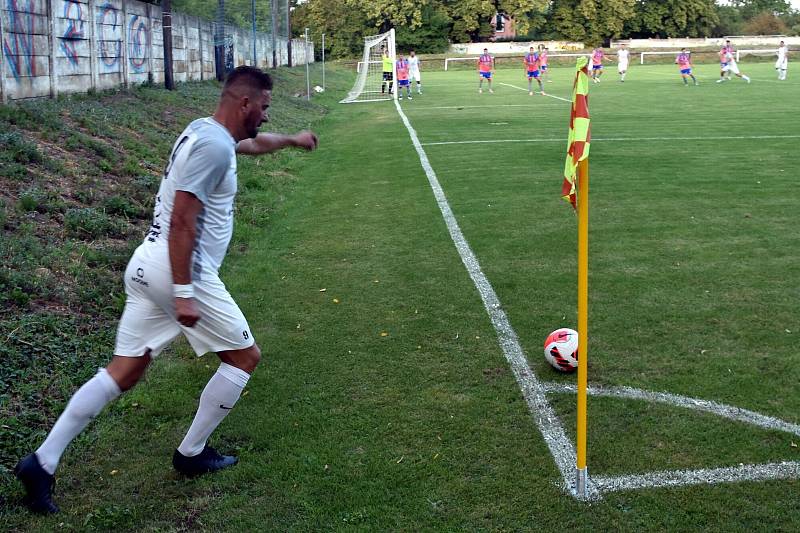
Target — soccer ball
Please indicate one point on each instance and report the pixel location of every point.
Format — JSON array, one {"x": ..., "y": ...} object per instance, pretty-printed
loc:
[
  {"x": 561, "y": 349},
  {"x": 318, "y": 89}
]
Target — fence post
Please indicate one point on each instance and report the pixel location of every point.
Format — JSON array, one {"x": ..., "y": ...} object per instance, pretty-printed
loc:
[
  {"x": 149, "y": 12},
  {"x": 125, "y": 44},
  {"x": 51, "y": 60},
  {"x": 3, "y": 92},
  {"x": 200, "y": 45},
  {"x": 166, "y": 26},
  {"x": 93, "y": 66}
]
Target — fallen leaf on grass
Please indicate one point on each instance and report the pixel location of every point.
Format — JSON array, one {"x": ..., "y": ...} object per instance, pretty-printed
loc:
[
  {"x": 384, "y": 334},
  {"x": 336, "y": 300}
]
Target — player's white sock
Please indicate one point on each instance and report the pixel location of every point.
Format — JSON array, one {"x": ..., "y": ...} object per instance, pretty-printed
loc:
[
  {"x": 84, "y": 405},
  {"x": 218, "y": 398},
  {"x": 746, "y": 78}
]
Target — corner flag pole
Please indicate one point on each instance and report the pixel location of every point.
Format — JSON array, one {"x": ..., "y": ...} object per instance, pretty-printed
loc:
[
  {"x": 583, "y": 323},
  {"x": 575, "y": 190}
]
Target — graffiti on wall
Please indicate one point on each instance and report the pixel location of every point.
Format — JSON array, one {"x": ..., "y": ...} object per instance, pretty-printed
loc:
[
  {"x": 138, "y": 43},
  {"x": 109, "y": 42},
  {"x": 18, "y": 44},
  {"x": 73, "y": 13}
]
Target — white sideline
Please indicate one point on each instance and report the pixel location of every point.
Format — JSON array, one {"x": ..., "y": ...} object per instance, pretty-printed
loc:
[
  {"x": 546, "y": 420},
  {"x": 720, "y": 409},
  {"x": 704, "y": 476},
  {"x": 623, "y": 139},
  {"x": 526, "y": 90},
  {"x": 481, "y": 106}
]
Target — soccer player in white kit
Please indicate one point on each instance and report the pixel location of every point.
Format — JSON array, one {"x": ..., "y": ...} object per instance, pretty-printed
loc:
[
  {"x": 783, "y": 60},
  {"x": 731, "y": 66},
  {"x": 173, "y": 287},
  {"x": 413, "y": 70},
  {"x": 622, "y": 62}
]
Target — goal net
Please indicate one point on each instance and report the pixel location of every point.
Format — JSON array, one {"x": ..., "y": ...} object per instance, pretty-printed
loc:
[{"x": 370, "y": 85}]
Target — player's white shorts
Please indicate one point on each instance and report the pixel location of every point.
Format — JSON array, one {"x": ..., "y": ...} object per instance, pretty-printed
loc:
[
  {"x": 731, "y": 67},
  {"x": 622, "y": 67},
  {"x": 413, "y": 74},
  {"x": 148, "y": 321},
  {"x": 782, "y": 64}
]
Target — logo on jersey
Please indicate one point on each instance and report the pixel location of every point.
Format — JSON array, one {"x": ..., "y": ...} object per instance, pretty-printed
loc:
[{"x": 138, "y": 277}]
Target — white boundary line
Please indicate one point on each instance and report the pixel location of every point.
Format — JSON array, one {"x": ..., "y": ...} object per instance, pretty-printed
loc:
[
  {"x": 526, "y": 90},
  {"x": 623, "y": 139},
  {"x": 480, "y": 106},
  {"x": 535, "y": 392},
  {"x": 720, "y": 409},
  {"x": 705, "y": 476},
  {"x": 546, "y": 420}
]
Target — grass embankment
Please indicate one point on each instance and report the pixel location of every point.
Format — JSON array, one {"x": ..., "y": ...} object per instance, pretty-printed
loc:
[{"x": 77, "y": 179}]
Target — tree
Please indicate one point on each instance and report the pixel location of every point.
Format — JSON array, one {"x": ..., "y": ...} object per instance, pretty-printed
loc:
[
  {"x": 765, "y": 24},
  {"x": 591, "y": 21},
  {"x": 430, "y": 36},
  {"x": 674, "y": 18},
  {"x": 752, "y": 8}
]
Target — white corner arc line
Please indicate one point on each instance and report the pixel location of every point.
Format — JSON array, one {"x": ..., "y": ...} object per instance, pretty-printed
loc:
[
  {"x": 526, "y": 90},
  {"x": 549, "y": 425},
  {"x": 705, "y": 476},
  {"x": 719, "y": 409}
]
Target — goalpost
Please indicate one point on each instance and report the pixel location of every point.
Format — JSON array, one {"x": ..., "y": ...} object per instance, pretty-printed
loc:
[{"x": 370, "y": 85}]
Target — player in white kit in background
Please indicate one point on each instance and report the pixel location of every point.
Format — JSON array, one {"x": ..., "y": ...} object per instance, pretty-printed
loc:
[
  {"x": 413, "y": 70},
  {"x": 622, "y": 61},
  {"x": 783, "y": 60},
  {"x": 172, "y": 285}
]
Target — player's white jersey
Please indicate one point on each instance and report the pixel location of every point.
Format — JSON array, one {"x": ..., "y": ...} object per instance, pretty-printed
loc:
[
  {"x": 202, "y": 162},
  {"x": 783, "y": 57},
  {"x": 622, "y": 58},
  {"x": 731, "y": 66},
  {"x": 413, "y": 68}
]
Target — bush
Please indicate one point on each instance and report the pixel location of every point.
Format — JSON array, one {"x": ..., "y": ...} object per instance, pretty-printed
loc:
[
  {"x": 87, "y": 222},
  {"x": 765, "y": 24},
  {"x": 32, "y": 199},
  {"x": 20, "y": 150},
  {"x": 119, "y": 206}
]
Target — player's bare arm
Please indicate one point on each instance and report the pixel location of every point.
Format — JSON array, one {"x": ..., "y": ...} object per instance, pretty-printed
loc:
[
  {"x": 266, "y": 143},
  {"x": 182, "y": 235}
]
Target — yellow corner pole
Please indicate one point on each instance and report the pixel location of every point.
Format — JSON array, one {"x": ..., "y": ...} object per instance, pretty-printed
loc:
[{"x": 583, "y": 322}]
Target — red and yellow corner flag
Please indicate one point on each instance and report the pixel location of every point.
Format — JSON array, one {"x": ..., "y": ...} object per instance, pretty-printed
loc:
[{"x": 579, "y": 135}]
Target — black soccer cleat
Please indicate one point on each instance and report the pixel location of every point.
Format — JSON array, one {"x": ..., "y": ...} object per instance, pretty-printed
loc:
[
  {"x": 209, "y": 460},
  {"x": 38, "y": 485}
]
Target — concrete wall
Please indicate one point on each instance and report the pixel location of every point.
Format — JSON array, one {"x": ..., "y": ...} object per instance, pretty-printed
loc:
[
  {"x": 513, "y": 48},
  {"x": 62, "y": 46},
  {"x": 715, "y": 42}
]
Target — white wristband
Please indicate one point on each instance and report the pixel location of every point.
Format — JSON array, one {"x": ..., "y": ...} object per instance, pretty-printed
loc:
[{"x": 183, "y": 291}]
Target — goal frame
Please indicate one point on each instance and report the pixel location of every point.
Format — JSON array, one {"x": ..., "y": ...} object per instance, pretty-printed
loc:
[{"x": 361, "y": 77}]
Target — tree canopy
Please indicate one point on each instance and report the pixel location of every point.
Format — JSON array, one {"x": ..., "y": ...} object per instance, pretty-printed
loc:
[{"x": 430, "y": 25}]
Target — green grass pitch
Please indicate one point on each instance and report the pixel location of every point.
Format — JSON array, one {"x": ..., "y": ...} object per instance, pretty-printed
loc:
[{"x": 385, "y": 403}]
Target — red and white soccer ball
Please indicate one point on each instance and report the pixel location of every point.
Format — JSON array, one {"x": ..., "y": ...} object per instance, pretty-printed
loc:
[{"x": 561, "y": 349}]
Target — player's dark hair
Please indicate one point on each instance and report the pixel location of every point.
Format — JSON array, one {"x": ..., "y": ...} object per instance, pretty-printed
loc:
[{"x": 250, "y": 77}]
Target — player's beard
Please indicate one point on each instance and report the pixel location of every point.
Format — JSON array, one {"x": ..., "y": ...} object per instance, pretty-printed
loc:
[{"x": 252, "y": 131}]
